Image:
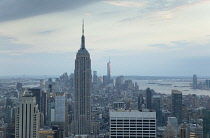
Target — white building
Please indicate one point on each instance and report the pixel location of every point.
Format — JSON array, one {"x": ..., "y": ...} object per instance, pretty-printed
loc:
[
  {"x": 60, "y": 107},
  {"x": 27, "y": 122},
  {"x": 132, "y": 123}
]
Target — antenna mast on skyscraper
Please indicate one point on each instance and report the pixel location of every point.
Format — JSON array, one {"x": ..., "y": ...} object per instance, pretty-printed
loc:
[{"x": 83, "y": 27}]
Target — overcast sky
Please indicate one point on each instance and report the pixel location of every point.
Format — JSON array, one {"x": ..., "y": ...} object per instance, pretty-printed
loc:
[{"x": 142, "y": 37}]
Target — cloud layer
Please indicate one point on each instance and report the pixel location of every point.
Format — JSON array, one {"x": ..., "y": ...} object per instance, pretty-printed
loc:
[
  {"x": 17, "y": 9},
  {"x": 156, "y": 37}
]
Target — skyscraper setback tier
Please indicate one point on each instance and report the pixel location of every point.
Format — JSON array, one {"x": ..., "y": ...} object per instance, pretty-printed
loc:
[{"x": 83, "y": 79}]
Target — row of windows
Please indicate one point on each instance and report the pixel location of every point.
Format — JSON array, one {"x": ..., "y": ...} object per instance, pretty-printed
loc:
[
  {"x": 138, "y": 117},
  {"x": 132, "y": 125},
  {"x": 134, "y": 120},
  {"x": 131, "y": 137},
  {"x": 133, "y": 128},
  {"x": 132, "y": 131},
  {"x": 139, "y": 136}
]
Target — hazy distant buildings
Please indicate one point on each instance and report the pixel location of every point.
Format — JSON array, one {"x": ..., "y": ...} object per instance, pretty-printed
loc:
[
  {"x": 140, "y": 101},
  {"x": 95, "y": 77},
  {"x": 19, "y": 87},
  {"x": 42, "y": 84},
  {"x": 105, "y": 80},
  {"x": 27, "y": 117},
  {"x": 83, "y": 80},
  {"x": 109, "y": 71},
  {"x": 195, "y": 83},
  {"x": 128, "y": 85},
  {"x": 208, "y": 83},
  {"x": 64, "y": 82},
  {"x": 119, "y": 83},
  {"x": 132, "y": 123},
  {"x": 71, "y": 82},
  {"x": 177, "y": 105}
]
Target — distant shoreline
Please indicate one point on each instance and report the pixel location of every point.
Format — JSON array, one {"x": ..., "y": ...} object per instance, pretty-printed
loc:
[{"x": 125, "y": 77}]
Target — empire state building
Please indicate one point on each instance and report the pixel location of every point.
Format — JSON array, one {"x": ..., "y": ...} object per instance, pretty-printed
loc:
[{"x": 83, "y": 79}]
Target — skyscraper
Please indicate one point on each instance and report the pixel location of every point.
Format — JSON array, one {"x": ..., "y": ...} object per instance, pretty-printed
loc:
[
  {"x": 140, "y": 101},
  {"x": 60, "y": 107},
  {"x": 195, "y": 82},
  {"x": 156, "y": 102},
  {"x": 27, "y": 117},
  {"x": 177, "y": 105},
  {"x": 206, "y": 123},
  {"x": 119, "y": 82},
  {"x": 95, "y": 77},
  {"x": 109, "y": 71},
  {"x": 8, "y": 111},
  {"x": 149, "y": 98},
  {"x": 41, "y": 100},
  {"x": 83, "y": 81},
  {"x": 19, "y": 87}
]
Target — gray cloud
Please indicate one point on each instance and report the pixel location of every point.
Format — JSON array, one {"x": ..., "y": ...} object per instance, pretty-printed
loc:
[
  {"x": 17, "y": 9},
  {"x": 46, "y": 32},
  {"x": 161, "y": 46},
  {"x": 7, "y": 44},
  {"x": 152, "y": 6}
]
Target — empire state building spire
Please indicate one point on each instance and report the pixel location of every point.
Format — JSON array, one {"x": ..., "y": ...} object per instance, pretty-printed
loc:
[{"x": 83, "y": 37}]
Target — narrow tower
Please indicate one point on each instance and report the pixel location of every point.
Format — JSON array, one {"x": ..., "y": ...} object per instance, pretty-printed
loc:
[
  {"x": 83, "y": 78},
  {"x": 109, "y": 71},
  {"x": 195, "y": 84}
]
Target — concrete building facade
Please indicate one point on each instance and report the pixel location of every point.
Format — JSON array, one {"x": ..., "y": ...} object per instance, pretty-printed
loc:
[{"x": 132, "y": 123}]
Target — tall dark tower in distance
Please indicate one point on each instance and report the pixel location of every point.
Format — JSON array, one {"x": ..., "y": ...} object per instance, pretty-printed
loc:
[
  {"x": 109, "y": 71},
  {"x": 149, "y": 98},
  {"x": 195, "y": 83},
  {"x": 177, "y": 105},
  {"x": 83, "y": 81}
]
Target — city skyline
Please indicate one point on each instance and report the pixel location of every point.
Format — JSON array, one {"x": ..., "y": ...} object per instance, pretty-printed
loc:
[{"x": 150, "y": 38}]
